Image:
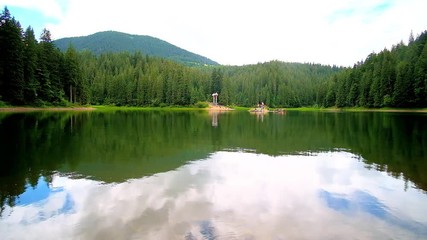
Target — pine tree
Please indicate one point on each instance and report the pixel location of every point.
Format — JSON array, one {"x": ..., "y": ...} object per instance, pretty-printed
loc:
[
  {"x": 420, "y": 83},
  {"x": 375, "y": 89},
  {"x": 330, "y": 98},
  {"x": 30, "y": 66},
  {"x": 342, "y": 91},
  {"x": 11, "y": 60},
  {"x": 216, "y": 80},
  {"x": 50, "y": 60},
  {"x": 71, "y": 75},
  {"x": 411, "y": 38},
  {"x": 402, "y": 87}
]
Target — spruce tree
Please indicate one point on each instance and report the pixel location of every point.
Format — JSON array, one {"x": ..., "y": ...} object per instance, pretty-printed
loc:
[
  {"x": 30, "y": 66},
  {"x": 71, "y": 76},
  {"x": 50, "y": 60},
  {"x": 420, "y": 82},
  {"x": 11, "y": 60},
  {"x": 216, "y": 80}
]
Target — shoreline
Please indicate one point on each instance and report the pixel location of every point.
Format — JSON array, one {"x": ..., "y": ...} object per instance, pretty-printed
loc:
[
  {"x": 218, "y": 108},
  {"x": 390, "y": 110},
  {"x": 38, "y": 109}
]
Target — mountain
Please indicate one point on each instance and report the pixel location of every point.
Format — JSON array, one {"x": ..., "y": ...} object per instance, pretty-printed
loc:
[{"x": 111, "y": 41}]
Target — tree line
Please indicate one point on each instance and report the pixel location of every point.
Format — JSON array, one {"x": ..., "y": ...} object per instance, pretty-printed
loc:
[
  {"x": 37, "y": 73},
  {"x": 391, "y": 78},
  {"x": 138, "y": 80},
  {"x": 32, "y": 72}
]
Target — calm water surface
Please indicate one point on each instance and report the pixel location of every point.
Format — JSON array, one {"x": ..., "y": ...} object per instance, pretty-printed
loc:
[{"x": 195, "y": 175}]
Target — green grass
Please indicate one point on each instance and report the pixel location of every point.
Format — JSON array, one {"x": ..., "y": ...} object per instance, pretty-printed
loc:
[
  {"x": 3, "y": 104},
  {"x": 385, "y": 109},
  {"x": 313, "y": 109},
  {"x": 202, "y": 106},
  {"x": 125, "y": 108},
  {"x": 358, "y": 109}
]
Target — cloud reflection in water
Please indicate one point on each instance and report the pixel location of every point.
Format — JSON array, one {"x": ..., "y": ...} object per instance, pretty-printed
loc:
[{"x": 236, "y": 195}]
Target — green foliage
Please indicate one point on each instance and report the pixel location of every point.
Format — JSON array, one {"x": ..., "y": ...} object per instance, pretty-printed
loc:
[
  {"x": 31, "y": 84},
  {"x": 201, "y": 105},
  {"x": 136, "y": 80},
  {"x": 72, "y": 77},
  {"x": 2, "y": 104},
  {"x": 277, "y": 84},
  {"x": 110, "y": 41},
  {"x": 217, "y": 78},
  {"x": 391, "y": 78},
  {"x": 29, "y": 71},
  {"x": 11, "y": 60}
]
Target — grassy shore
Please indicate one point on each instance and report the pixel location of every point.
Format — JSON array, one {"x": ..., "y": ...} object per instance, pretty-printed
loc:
[
  {"x": 94, "y": 108},
  {"x": 126, "y": 108},
  {"x": 36, "y": 109},
  {"x": 238, "y": 108},
  {"x": 357, "y": 109},
  {"x": 105, "y": 108}
]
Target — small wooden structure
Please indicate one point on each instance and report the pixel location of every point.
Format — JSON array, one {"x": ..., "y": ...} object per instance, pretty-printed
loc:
[{"x": 215, "y": 99}]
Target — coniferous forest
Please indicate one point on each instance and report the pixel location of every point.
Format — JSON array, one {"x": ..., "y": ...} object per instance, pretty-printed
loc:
[
  {"x": 37, "y": 73},
  {"x": 391, "y": 78}
]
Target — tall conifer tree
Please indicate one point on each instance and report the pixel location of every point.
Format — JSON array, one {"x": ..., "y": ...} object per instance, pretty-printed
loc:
[{"x": 11, "y": 63}]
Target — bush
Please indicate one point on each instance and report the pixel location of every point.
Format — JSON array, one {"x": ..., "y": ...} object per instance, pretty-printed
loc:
[
  {"x": 387, "y": 101},
  {"x": 2, "y": 104},
  {"x": 201, "y": 105},
  {"x": 62, "y": 103},
  {"x": 155, "y": 103}
]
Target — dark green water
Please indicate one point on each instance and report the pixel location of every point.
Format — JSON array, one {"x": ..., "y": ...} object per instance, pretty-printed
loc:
[{"x": 195, "y": 175}]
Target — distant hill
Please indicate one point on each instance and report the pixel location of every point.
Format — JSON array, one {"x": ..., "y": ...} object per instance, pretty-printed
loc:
[{"x": 111, "y": 41}]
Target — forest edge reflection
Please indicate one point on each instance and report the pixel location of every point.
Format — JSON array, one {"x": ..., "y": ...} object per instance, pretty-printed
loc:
[{"x": 117, "y": 146}]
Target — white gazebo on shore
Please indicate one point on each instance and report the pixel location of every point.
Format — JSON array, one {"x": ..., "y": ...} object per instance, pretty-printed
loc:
[{"x": 215, "y": 99}]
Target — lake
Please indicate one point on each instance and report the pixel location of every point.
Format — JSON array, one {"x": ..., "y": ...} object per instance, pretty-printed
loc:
[{"x": 200, "y": 175}]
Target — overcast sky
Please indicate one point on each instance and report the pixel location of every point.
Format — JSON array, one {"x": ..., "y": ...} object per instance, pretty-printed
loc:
[{"x": 237, "y": 32}]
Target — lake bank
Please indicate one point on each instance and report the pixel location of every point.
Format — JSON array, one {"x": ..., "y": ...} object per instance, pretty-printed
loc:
[
  {"x": 422, "y": 110},
  {"x": 34, "y": 109},
  {"x": 210, "y": 108}
]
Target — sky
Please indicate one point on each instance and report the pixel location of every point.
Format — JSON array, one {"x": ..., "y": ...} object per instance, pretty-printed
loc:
[{"x": 238, "y": 32}]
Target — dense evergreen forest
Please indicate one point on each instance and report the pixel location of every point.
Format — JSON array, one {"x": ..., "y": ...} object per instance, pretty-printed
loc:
[
  {"x": 138, "y": 80},
  {"x": 391, "y": 78},
  {"x": 37, "y": 73},
  {"x": 31, "y": 72},
  {"x": 111, "y": 41}
]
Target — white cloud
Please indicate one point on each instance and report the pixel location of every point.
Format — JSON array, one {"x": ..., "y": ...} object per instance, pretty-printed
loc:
[
  {"x": 251, "y": 196},
  {"x": 238, "y": 32}
]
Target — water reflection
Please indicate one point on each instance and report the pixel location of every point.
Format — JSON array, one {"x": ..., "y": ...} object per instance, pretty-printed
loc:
[
  {"x": 228, "y": 195},
  {"x": 214, "y": 116},
  {"x": 143, "y": 177}
]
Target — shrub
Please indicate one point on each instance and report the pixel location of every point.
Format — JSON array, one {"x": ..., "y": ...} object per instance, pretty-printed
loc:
[{"x": 201, "y": 105}]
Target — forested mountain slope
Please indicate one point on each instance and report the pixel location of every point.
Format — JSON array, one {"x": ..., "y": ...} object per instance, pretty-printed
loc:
[
  {"x": 276, "y": 83},
  {"x": 391, "y": 78},
  {"x": 135, "y": 79},
  {"x": 111, "y": 41}
]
